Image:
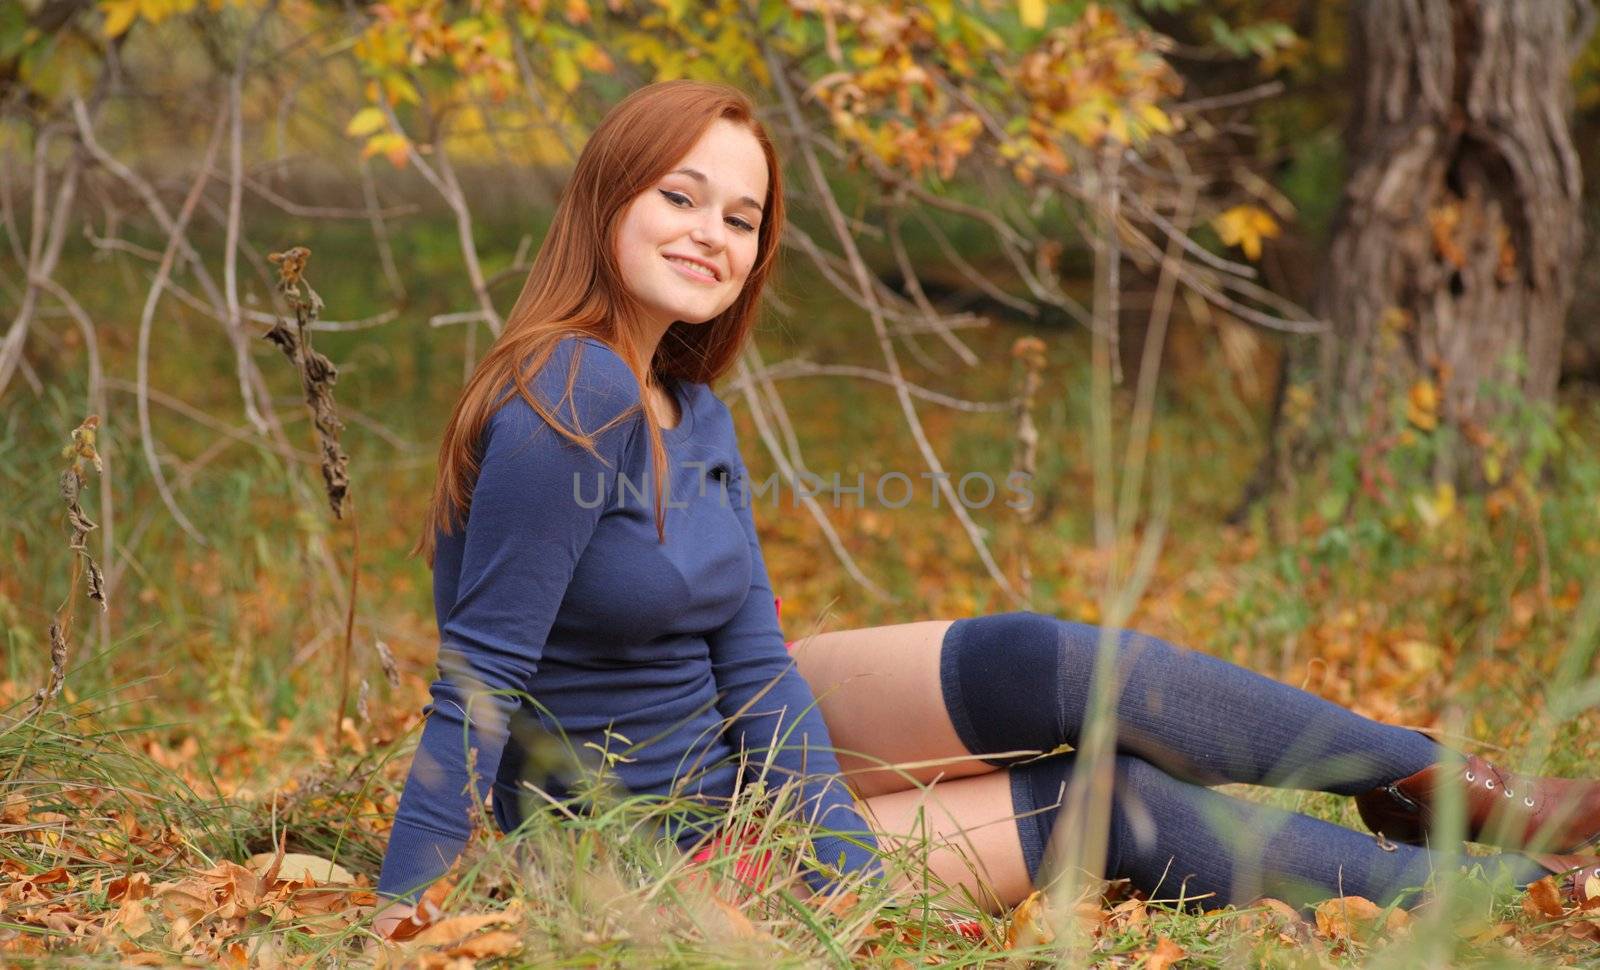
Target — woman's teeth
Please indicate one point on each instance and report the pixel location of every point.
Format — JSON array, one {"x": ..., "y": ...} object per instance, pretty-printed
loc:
[{"x": 695, "y": 268}]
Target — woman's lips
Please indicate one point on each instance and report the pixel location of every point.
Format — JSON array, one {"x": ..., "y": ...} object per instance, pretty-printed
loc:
[{"x": 696, "y": 275}]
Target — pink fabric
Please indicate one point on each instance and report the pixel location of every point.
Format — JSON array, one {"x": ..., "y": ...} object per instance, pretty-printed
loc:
[{"x": 750, "y": 870}]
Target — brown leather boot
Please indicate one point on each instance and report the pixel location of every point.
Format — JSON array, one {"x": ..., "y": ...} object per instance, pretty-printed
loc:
[
  {"x": 1575, "y": 876},
  {"x": 1504, "y": 809}
]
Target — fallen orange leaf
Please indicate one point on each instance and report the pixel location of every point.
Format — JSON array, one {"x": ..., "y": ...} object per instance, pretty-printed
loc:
[
  {"x": 1165, "y": 955},
  {"x": 295, "y": 866},
  {"x": 132, "y": 918},
  {"x": 1029, "y": 924},
  {"x": 498, "y": 943},
  {"x": 1543, "y": 899},
  {"x": 135, "y": 885},
  {"x": 452, "y": 930},
  {"x": 1356, "y": 918}
]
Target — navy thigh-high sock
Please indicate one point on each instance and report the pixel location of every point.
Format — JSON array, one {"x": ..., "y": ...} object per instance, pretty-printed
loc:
[
  {"x": 1020, "y": 682},
  {"x": 1176, "y": 840}
]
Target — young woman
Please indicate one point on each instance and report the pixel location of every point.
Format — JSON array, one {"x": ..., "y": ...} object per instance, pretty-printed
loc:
[{"x": 583, "y": 593}]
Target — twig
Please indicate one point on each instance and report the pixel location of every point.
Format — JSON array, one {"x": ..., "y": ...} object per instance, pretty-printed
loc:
[
  {"x": 261, "y": 316},
  {"x": 788, "y": 470},
  {"x": 239, "y": 434},
  {"x": 1150, "y": 361},
  {"x": 380, "y": 231},
  {"x": 327, "y": 211},
  {"x": 97, "y": 405},
  {"x": 317, "y": 372},
  {"x": 444, "y": 180},
  {"x": 230, "y": 247},
  {"x": 80, "y": 449},
  {"x": 44, "y": 248},
  {"x": 914, "y": 287},
  {"x": 867, "y": 291},
  {"x": 251, "y": 382},
  {"x": 317, "y": 376},
  {"x": 1232, "y": 99},
  {"x": 175, "y": 240}
]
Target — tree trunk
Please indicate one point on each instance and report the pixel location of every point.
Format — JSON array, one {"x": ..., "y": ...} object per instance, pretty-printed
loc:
[{"x": 1451, "y": 261}]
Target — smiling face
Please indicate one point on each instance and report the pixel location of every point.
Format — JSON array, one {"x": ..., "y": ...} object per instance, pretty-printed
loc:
[{"x": 686, "y": 244}]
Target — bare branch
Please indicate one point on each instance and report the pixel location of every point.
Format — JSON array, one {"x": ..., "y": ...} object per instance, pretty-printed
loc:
[
  {"x": 251, "y": 382},
  {"x": 804, "y": 368},
  {"x": 147, "y": 316},
  {"x": 444, "y": 180},
  {"x": 294, "y": 208},
  {"x": 868, "y": 293},
  {"x": 44, "y": 246},
  {"x": 764, "y": 428},
  {"x": 380, "y": 231},
  {"x": 240, "y": 434},
  {"x": 230, "y": 248},
  {"x": 914, "y": 287}
]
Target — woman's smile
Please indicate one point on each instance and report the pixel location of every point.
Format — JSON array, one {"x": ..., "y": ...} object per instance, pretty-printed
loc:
[{"x": 691, "y": 270}]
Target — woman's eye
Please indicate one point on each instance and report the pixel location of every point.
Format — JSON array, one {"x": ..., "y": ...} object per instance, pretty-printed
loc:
[{"x": 680, "y": 200}]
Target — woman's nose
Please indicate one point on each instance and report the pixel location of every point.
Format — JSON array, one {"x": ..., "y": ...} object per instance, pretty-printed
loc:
[{"x": 709, "y": 231}]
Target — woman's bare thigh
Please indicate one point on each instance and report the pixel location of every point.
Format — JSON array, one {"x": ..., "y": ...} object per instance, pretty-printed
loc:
[
  {"x": 970, "y": 833},
  {"x": 878, "y": 691}
]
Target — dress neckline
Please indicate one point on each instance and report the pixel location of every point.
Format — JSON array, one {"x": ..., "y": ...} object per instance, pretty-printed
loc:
[{"x": 680, "y": 394}]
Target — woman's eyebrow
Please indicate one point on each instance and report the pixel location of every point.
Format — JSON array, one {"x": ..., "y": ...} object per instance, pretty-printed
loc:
[{"x": 700, "y": 177}]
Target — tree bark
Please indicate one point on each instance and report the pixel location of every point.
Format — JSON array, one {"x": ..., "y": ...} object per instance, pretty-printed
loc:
[{"x": 1452, "y": 257}]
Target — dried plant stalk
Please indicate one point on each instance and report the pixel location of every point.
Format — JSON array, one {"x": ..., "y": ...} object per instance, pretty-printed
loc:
[
  {"x": 317, "y": 376},
  {"x": 81, "y": 450},
  {"x": 317, "y": 372}
]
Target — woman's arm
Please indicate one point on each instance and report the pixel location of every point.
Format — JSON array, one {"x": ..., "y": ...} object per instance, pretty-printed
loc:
[
  {"x": 769, "y": 701},
  {"x": 523, "y": 536}
]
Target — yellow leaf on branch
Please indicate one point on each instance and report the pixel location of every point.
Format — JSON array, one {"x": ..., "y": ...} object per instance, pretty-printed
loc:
[
  {"x": 120, "y": 15},
  {"x": 1155, "y": 119},
  {"x": 365, "y": 122},
  {"x": 1032, "y": 13},
  {"x": 1245, "y": 226},
  {"x": 400, "y": 89},
  {"x": 390, "y": 144}
]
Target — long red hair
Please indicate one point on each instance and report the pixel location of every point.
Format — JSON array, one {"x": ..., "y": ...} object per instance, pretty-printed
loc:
[{"x": 575, "y": 287}]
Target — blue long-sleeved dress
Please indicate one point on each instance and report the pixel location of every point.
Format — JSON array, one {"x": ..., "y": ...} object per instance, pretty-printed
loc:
[{"x": 558, "y": 589}]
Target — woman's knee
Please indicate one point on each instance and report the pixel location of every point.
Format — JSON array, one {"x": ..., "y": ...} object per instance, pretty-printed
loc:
[{"x": 1000, "y": 677}]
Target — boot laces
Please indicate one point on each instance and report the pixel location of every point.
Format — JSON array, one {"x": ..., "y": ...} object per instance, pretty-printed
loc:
[{"x": 1494, "y": 777}]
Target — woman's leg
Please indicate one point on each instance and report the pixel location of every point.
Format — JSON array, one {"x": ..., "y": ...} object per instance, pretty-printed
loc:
[
  {"x": 878, "y": 691},
  {"x": 1021, "y": 681},
  {"x": 1176, "y": 840},
  {"x": 986, "y": 837},
  {"x": 971, "y": 835},
  {"x": 946, "y": 699}
]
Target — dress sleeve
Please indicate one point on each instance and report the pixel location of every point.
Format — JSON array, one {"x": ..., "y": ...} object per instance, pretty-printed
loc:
[
  {"x": 771, "y": 707},
  {"x": 532, "y": 514}
]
